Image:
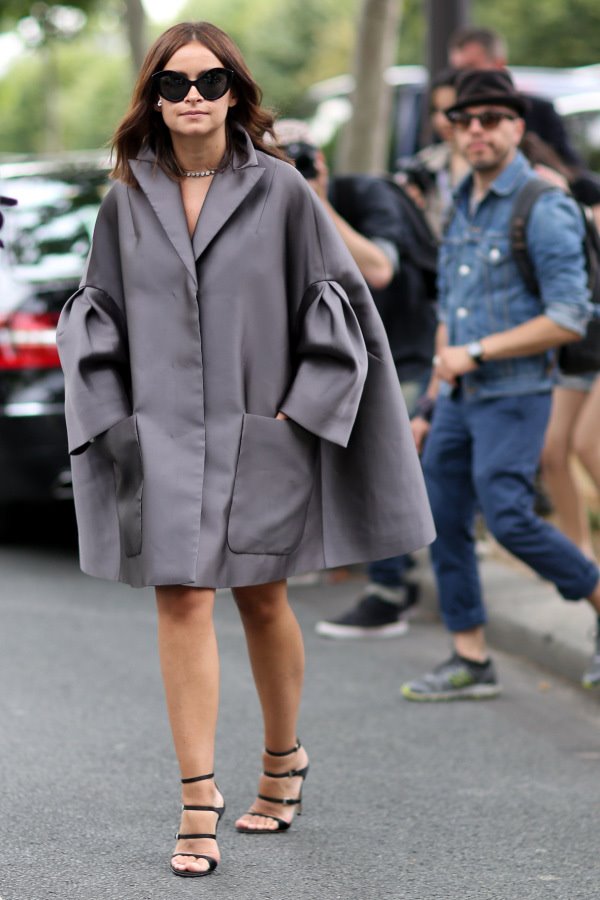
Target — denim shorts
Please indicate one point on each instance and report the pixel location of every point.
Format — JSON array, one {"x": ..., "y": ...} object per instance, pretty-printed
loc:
[{"x": 583, "y": 382}]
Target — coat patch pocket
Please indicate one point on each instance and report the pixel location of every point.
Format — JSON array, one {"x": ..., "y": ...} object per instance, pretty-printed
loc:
[
  {"x": 273, "y": 484},
  {"x": 121, "y": 444}
]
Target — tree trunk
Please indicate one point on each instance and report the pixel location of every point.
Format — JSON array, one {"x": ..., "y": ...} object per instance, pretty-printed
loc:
[
  {"x": 135, "y": 23},
  {"x": 364, "y": 145}
]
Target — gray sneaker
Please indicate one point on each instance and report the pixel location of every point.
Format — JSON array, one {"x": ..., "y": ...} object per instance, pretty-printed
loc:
[{"x": 454, "y": 679}]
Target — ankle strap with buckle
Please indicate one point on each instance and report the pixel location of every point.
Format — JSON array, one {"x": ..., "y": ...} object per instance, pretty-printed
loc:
[{"x": 285, "y": 752}]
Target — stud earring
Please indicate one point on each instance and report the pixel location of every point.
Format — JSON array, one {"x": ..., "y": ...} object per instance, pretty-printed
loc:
[{"x": 159, "y": 103}]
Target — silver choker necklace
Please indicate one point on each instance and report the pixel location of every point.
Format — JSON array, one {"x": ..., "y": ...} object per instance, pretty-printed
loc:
[{"x": 204, "y": 174}]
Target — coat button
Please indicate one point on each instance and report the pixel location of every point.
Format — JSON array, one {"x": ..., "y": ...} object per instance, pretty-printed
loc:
[
  {"x": 464, "y": 269},
  {"x": 495, "y": 255},
  {"x": 462, "y": 312}
]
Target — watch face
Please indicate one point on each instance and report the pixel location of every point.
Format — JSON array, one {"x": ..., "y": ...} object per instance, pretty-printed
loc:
[{"x": 475, "y": 351}]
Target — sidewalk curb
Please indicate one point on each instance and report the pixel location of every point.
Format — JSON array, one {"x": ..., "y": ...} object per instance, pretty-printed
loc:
[{"x": 527, "y": 617}]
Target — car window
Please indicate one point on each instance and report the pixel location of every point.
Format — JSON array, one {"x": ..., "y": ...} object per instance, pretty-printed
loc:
[{"x": 48, "y": 234}]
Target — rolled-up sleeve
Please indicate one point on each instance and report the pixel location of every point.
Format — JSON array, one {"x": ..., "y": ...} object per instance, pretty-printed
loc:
[
  {"x": 331, "y": 366},
  {"x": 555, "y": 233}
]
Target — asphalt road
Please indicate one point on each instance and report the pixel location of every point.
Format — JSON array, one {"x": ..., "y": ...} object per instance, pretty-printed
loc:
[{"x": 494, "y": 801}]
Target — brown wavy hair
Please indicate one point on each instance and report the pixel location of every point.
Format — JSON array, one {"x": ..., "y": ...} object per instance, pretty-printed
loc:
[{"x": 143, "y": 124}]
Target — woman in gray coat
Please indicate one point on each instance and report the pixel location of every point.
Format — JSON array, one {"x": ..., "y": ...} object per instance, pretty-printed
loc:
[{"x": 231, "y": 407}]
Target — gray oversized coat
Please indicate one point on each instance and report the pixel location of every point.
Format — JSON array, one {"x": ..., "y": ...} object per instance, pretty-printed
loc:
[{"x": 177, "y": 355}]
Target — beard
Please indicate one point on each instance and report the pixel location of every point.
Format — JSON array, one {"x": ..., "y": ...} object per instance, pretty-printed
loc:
[{"x": 496, "y": 159}]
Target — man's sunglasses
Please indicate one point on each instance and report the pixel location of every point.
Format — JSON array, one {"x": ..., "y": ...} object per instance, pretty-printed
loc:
[
  {"x": 488, "y": 120},
  {"x": 174, "y": 86}
]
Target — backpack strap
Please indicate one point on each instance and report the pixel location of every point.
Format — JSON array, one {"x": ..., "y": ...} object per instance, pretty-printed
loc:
[{"x": 524, "y": 202}]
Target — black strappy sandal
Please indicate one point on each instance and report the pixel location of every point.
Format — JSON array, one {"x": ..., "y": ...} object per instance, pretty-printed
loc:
[
  {"x": 282, "y": 825},
  {"x": 219, "y": 810}
]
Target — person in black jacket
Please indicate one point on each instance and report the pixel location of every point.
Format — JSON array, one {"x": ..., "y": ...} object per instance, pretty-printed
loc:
[
  {"x": 396, "y": 251},
  {"x": 383, "y": 212},
  {"x": 482, "y": 48}
]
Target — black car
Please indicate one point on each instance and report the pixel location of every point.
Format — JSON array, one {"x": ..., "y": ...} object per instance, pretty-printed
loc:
[{"x": 46, "y": 239}]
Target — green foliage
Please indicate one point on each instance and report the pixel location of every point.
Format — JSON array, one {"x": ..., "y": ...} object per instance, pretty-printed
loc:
[
  {"x": 558, "y": 33},
  {"x": 94, "y": 103},
  {"x": 538, "y": 32},
  {"x": 93, "y": 92},
  {"x": 288, "y": 46},
  {"x": 22, "y": 104},
  {"x": 412, "y": 39},
  {"x": 13, "y": 10}
]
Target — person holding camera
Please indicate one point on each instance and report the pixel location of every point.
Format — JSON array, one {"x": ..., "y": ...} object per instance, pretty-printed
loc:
[
  {"x": 375, "y": 256},
  {"x": 431, "y": 175}
]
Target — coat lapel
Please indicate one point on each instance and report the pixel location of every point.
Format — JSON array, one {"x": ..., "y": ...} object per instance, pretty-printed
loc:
[
  {"x": 227, "y": 192},
  {"x": 164, "y": 197}
]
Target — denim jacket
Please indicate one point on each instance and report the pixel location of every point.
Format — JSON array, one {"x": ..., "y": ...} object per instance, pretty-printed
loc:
[{"x": 481, "y": 291}]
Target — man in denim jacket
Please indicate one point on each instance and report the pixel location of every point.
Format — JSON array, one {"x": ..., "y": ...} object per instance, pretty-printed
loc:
[{"x": 495, "y": 378}]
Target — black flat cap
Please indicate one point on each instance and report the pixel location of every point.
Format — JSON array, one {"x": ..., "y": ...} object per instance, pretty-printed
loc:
[{"x": 478, "y": 87}]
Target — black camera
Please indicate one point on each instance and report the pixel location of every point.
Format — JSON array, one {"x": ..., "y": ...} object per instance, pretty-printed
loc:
[
  {"x": 5, "y": 201},
  {"x": 416, "y": 173},
  {"x": 304, "y": 155}
]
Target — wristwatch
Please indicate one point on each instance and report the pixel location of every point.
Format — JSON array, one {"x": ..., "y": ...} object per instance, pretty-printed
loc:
[{"x": 475, "y": 351}]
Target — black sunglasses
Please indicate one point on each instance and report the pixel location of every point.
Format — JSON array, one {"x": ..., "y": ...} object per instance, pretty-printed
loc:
[
  {"x": 488, "y": 120},
  {"x": 174, "y": 86}
]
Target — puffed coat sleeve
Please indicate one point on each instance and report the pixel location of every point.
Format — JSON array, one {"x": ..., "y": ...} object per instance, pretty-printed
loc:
[
  {"x": 92, "y": 341},
  {"x": 330, "y": 350},
  {"x": 332, "y": 367}
]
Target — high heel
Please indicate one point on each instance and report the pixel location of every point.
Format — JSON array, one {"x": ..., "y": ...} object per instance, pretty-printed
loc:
[
  {"x": 282, "y": 824},
  {"x": 219, "y": 810}
]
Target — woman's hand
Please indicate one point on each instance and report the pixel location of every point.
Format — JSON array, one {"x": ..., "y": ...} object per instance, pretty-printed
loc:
[{"x": 420, "y": 429}]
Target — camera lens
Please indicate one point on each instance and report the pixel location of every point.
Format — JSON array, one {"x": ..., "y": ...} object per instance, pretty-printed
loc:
[{"x": 304, "y": 156}]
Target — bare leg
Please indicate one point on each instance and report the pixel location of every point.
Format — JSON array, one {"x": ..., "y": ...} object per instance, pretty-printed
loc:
[
  {"x": 276, "y": 653},
  {"x": 471, "y": 644},
  {"x": 587, "y": 448},
  {"x": 567, "y": 405},
  {"x": 586, "y": 444},
  {"x": 190, "y": 669}
]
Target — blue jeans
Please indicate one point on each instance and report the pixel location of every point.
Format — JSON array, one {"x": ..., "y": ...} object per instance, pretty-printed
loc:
[
  {"x": 390, "y": 572},
  {"x": 484, "y": 455}
]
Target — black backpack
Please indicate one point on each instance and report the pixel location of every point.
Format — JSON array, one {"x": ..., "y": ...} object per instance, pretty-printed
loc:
[{"x": 580, "y": 356}]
